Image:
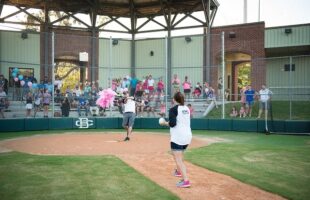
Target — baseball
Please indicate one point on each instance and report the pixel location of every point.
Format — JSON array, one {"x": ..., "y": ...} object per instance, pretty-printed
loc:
[{"x": 161, "y": 121}]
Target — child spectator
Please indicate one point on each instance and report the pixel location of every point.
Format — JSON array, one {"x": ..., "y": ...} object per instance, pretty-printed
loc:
[
  {"x": 2, "y": 101},
  {"x": 242, "y": 112},
  {"x": 197, "y": 91},
  {"x": 37, "y": 101},
  {"x": 234, "y": 112},
  {"x": 162, "y": 111},
  {"x": 160, "y": 86},
  {"x": 46, "y": 102},
  {"x": 191, "y": 110},
  {"x": 151, "y": 106},
  {"x": 29, "y": 107}
]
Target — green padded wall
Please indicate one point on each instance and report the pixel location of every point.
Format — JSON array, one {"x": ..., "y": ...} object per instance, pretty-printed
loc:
[
  {"x": 35, "y": 124},
  {"x": 7, "y": 125},
  {"x": 200, "y": 124},
  {"x": 107, "y": 123},
  {"x": 244, "y": 125},
  {"x": 298, "y": 126},
  {"x": 60, "y": 123},
  {"x": 220, "y": 124}
]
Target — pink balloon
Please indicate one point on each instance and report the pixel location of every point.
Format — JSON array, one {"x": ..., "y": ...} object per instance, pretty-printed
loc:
[
  {"x": 22, "y": 83},
  {"x": 29, "y": 84},
  {"x": 16, "y": 79}
]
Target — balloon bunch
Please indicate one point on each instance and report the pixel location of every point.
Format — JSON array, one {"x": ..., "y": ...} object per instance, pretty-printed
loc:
[
  {"x": 20, "y": 78},
  {"x": 106, "y": 98}
]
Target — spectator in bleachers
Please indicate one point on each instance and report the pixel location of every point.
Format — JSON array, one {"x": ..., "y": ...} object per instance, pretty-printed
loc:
[
  {"x": 249, "y": 97},
  {"x": 145, "y": 85},
  {"x": 125, "y": 83},
  {"x": 162, "y": 109},
  {"x": 242, "y": 100},
  {"x": 73, "y": 101},
  {"x": 2, "y": 101},
  {"x": 94, "y": 91},
  {"x": 87, "y": 89},
  {"x": 150, "y": 85},
  {"x": 197, "y": 91},
  {"x": 233, "y": 112},
  {"x": 77, "y": 90},
  {"x": 211, "y": 96},
  {"x": 205, "y": 89},
  {"x": 264, "y": 101},
  {"x": 151, "y": 106},
  {"x": 187, "y": 88},
  {"x": 191, "y": 110},
  {"x": 139, "y": 89},
  {"x": 83, "y": 104},
  {"x": 4, "y": 83},
  {"x": 29, "y": 106},
  {"x": 46, "y": 102},
  {"x": 94, "y": 110},
  {"x": 175, "y": 84},
  {"x": 65, "y": 107},
  {"x": 37, "y": 101},
  {"x": 133, "y": 85},
  {"x": 160, "y": 85},
  {"x": 242, "y": 112}
]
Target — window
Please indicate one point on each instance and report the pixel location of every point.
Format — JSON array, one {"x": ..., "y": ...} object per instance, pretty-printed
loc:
[{"x": 287, "y": 67}]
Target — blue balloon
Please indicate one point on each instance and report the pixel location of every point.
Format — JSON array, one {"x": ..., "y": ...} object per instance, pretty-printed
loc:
[
  {"x": 20, "y": 77},
  {"x": 14, "y": 74},
  {"x": 34, "y": 86},
  {"x": 15, "y": 70}
]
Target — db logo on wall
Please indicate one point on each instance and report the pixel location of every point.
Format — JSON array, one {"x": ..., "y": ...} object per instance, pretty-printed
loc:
[{"x": 84, "y": 123}]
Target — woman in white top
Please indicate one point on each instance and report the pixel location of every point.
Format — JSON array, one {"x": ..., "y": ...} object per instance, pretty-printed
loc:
[
  {"x": 264, "y": 101},
  {"x": 181, "y": 136}
]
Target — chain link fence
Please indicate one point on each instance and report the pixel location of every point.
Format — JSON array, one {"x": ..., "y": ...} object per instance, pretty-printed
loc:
[{"x": 213, "y": 77}]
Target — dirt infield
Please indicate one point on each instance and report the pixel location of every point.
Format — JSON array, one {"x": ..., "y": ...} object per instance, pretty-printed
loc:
[{"x": 148, "y": 153}]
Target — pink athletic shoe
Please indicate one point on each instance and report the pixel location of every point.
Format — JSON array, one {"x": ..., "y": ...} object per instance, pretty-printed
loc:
[
  {"x": 177, "y": 173},
  {"x": 183, "y": 184}
]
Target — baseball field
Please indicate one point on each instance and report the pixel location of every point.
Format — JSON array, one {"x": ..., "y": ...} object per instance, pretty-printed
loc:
[{"x": 97, "y": 165}]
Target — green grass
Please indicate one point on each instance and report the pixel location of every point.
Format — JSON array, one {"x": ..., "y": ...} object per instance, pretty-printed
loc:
[
  {"x": 24, "y": 176},
  {"x": 32, "y": 177},
  {"x": 275, "y": 163},
  {"x": 280, "y": 110}
]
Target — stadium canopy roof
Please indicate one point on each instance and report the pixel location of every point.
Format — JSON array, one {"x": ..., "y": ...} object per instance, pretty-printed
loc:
[{"x": 115, "y": 9}]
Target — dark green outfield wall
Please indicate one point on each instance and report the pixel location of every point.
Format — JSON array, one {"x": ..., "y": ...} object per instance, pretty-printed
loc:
[{"x": 7, "y": 125}]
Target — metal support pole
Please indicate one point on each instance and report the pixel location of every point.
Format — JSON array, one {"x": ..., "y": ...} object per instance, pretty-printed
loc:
[
  {"x": 291, "y": 86},
  {"x": 133, "y": 56},
  {"x": 93, "y": 56},
  {"x": 208, "y": 60},
  {"x": 110, "y": 71},
  {"x": 167, "y": 83},
  {"x": 223, "y": 74},
  {"x": 258, "y": 10},
  {"x": 110, "y": 65},
  {"x": 46, "y": 38},
  {"x": 53, "y": 74}
]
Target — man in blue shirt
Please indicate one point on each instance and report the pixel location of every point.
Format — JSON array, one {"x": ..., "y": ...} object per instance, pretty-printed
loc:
[
  {"x": 249, "y": 99},
  {"x": 133, "y": 84},
  {"x": 83, "y": 104}
]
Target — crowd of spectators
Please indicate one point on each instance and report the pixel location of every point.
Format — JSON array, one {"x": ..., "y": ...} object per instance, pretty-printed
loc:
[{"x": 148, "y": 92}]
